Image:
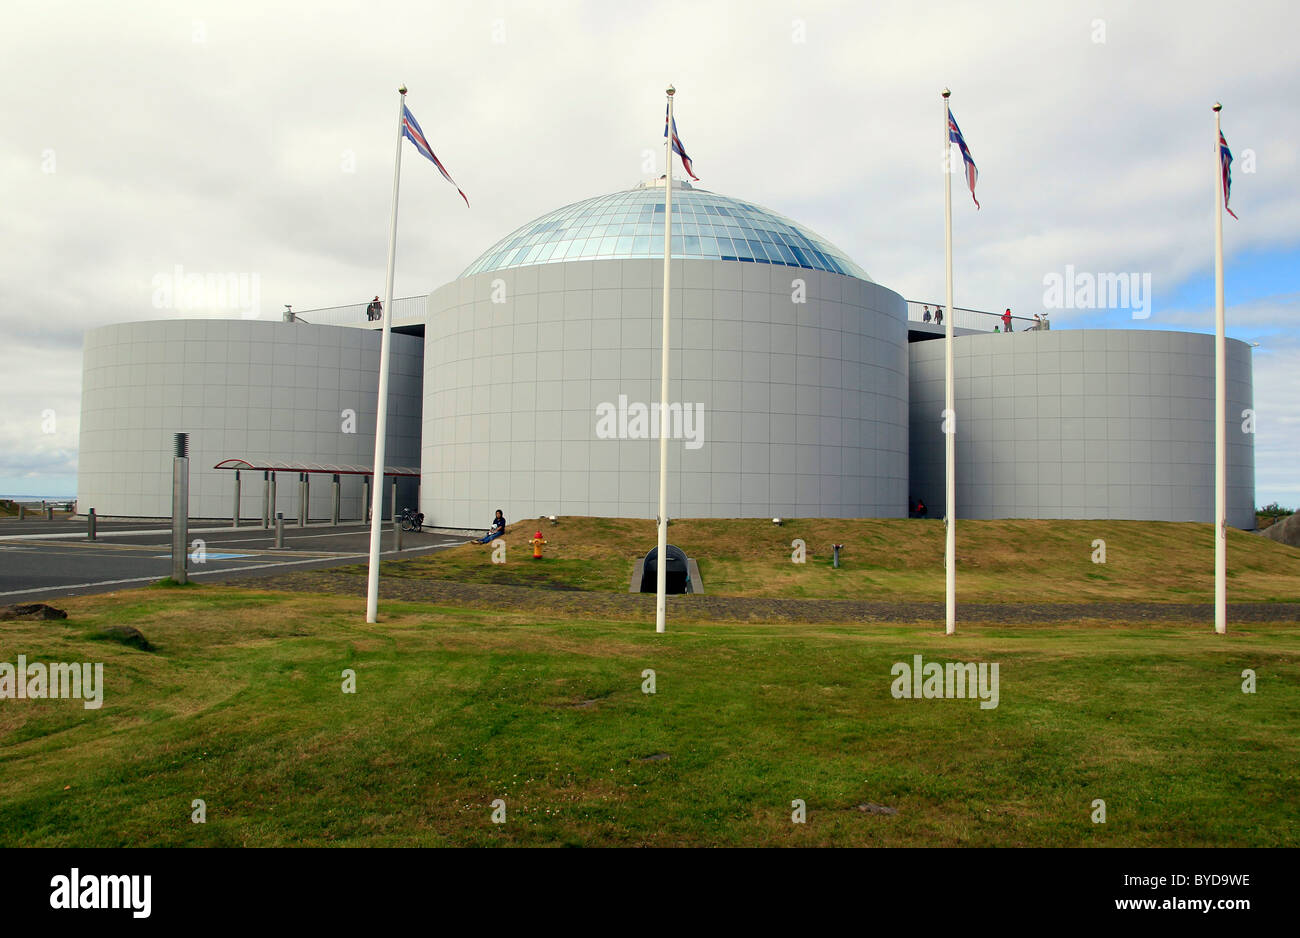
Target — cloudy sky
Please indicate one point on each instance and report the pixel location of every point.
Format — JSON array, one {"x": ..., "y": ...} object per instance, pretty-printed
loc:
[{"x": 257, "y": 138}]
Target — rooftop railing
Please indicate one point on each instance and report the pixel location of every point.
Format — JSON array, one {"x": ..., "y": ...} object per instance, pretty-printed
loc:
[
  {"x": 406, "y": 309},
  {"x": 978, "y": 320},
  {"x": 412, "y": 309}
]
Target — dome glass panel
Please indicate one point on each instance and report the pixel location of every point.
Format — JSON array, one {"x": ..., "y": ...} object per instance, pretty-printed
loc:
[{"x": 630, "y": 224}]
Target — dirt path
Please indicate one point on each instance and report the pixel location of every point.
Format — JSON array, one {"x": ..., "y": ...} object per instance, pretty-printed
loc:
[{"x": 744, "y": 609}]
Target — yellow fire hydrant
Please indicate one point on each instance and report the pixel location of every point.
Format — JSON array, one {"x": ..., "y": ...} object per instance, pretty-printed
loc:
[{"x": 537, "y": 543}]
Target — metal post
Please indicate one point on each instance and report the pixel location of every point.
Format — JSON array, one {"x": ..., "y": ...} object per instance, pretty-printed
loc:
[
  {"x": 369, "y": 481},
  {"x": 835, "y": 561},
  {"x": 397, "y": 534},
  {"x": 279, "y": 530},
  {"x": 661, "y": 583},
  {"x": 180, "y": 508},
  {"x": 392, "y": 501},
  {"x": 1220, "y": 401},
  {"x": 90, "y": 525},
  {"x": 49, "y": 511},
  {"x": 272, "y": 508},
  {"x": 234, "y": 521},
  {"x": 302, "y": 499},
  {"x": 22, "y": 512},
  {"x": 949, "y": 414},
  {"x": 266, "y": 499},
  {"x": 336, "y": 501},
  {"x": 381, "y": 405}
]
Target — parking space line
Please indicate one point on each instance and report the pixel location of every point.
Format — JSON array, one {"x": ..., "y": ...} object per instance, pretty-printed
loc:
[
  {"x": 259, "y": 566},
  {"x": 103, "y": 533}
]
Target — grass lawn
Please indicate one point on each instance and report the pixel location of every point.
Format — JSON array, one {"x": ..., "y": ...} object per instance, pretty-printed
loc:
[
  {"x": 240, "y": 705},
  {"x": 1044, "y": 561}
]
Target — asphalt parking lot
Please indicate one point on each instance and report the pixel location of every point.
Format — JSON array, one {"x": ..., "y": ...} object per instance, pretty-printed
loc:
[{"x": 41, "y": 560}]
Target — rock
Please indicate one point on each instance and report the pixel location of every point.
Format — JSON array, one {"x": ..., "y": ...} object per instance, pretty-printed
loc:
[
  {"x": 1284, "y": 531},
  {"x": 870, "y": 808},
  {"x": 127, "y": 635},
  {"x": 32, "y": 611}
]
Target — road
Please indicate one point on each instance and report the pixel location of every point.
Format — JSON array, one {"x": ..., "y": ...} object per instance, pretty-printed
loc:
[{"x": 42, "y": 560}]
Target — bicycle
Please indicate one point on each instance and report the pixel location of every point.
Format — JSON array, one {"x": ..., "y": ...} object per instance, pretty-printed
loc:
[{"x": 410, "y": 520}]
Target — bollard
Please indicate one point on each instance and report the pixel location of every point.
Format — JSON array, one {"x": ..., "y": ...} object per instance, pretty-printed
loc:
[
  {"x": 180, "y": 508},
  {"x": 337, "y": 500},
  {"x": 397, "y": 535},
  {"x": 272, "y": 508},
  {"x": 392, "y": 500},
  {"x": 90, "y": 525},
  {"x": 234, "y": 522},
  {"x": 303, "y": 495},
  {"x": 266, "y": 499},
  {"x": 279, "y": 530},
  {"x": 49, "y": 512},
  {"x": 22, "y": 512},
  {"x": 835, "y": 561},
  {"x": 369, "y": 481}
]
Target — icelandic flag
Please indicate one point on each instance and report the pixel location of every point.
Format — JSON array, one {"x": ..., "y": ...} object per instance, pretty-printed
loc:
[
  {"x": 411, "y": 131},
  {"x": 1225, "y": 159},
  {"x": 679, "y": 149},
  {"x": 972, "y": 174}
]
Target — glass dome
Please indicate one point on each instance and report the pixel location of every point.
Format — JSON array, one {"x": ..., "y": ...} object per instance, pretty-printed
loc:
[{"x": 630, "y": 224}]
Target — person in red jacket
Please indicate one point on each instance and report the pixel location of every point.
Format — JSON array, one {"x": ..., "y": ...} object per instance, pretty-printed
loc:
[{"x": 1006, "y": 320}]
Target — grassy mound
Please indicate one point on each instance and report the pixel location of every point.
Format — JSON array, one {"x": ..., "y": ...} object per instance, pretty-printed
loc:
[{"x": 997, "y": 561}]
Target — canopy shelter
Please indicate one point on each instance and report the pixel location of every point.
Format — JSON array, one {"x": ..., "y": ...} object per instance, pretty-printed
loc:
[
  {"x": 269, "y": 468},
  {"x": 277, "y": 466}
]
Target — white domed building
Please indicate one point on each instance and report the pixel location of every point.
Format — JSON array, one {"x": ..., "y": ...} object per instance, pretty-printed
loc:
[
  {"x": 799, "y": 387},
  {"x": 788, "y": 377}
]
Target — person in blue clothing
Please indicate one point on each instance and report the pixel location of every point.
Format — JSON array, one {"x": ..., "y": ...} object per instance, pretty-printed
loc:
[{"x": 498, "y": 528}]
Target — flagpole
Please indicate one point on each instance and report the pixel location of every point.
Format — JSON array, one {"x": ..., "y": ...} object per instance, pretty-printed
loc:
[
  {"x": 661, "y": 581},
  {"x": 949, "y": 414},
  {"x": 381, "y": 411},
  {"x": 1220, "y": 399}
]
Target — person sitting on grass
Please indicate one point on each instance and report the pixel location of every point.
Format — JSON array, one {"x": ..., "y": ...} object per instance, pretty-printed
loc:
[{"x": 498, "y": 528}]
